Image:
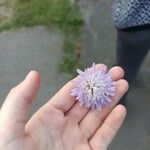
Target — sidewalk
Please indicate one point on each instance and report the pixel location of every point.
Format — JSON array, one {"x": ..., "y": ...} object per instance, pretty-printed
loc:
[{"x": 31, "y": 49}]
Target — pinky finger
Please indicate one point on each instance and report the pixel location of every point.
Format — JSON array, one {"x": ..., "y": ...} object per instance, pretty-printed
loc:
[{"x": 105, "y": 134}]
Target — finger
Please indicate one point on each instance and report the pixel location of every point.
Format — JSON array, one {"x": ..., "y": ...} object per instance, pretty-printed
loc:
[
  {"x": 105, "y": 134},
  {"x": 78, "y": 112},
  {"x": 116, "y": 72},
  {"x": 63, "y": 100},
  {"x": 16, "y": 105},
  {"x": 94, "y": 119}
]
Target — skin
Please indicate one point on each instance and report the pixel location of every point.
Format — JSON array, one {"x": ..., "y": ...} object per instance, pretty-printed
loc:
[{"x": 61, "y": 124}]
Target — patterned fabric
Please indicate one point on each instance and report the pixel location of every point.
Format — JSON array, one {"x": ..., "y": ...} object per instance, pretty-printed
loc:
[{"x": 130, "y": 13}]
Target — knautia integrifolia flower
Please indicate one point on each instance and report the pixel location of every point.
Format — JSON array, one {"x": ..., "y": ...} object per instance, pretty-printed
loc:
[{"x": 93, "y": 87}]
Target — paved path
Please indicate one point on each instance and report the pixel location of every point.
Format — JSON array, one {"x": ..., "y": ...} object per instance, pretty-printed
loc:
[
  {"x": 26, "y": 49},
  {"x": 98, "y": 37}
]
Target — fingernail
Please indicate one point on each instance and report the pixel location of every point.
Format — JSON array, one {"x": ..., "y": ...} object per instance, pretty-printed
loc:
[{"x": 29, "y": 74}]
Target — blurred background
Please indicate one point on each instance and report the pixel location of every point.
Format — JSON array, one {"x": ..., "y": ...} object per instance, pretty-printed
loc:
[{"x": 55, "y": 37}]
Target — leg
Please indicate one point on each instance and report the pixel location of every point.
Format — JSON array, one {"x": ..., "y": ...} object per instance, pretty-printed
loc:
[{"x": 132, "y": 47}]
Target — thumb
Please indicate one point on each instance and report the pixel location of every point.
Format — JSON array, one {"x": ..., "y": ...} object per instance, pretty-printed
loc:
[{"x": 13, "y": 113}]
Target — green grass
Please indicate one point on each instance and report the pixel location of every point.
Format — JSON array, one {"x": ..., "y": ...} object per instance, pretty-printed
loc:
[{"x": 59, "y": 14}]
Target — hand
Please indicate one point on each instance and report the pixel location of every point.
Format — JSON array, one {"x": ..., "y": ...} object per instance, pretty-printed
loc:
[{"x": 61, "y": 124}]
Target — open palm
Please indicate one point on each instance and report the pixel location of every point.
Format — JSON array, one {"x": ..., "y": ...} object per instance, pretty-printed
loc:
[{"x": 61, "y": 124}]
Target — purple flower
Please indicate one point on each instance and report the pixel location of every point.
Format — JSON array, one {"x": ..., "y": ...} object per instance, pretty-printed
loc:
[{"x": 93, "y": 87}]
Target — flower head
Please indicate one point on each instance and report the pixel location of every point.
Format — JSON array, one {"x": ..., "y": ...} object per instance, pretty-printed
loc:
[{"x": 93, "y": 87}]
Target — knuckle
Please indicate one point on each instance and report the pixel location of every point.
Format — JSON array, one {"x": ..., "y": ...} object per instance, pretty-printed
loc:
[{"x": 86, "y": 131}]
